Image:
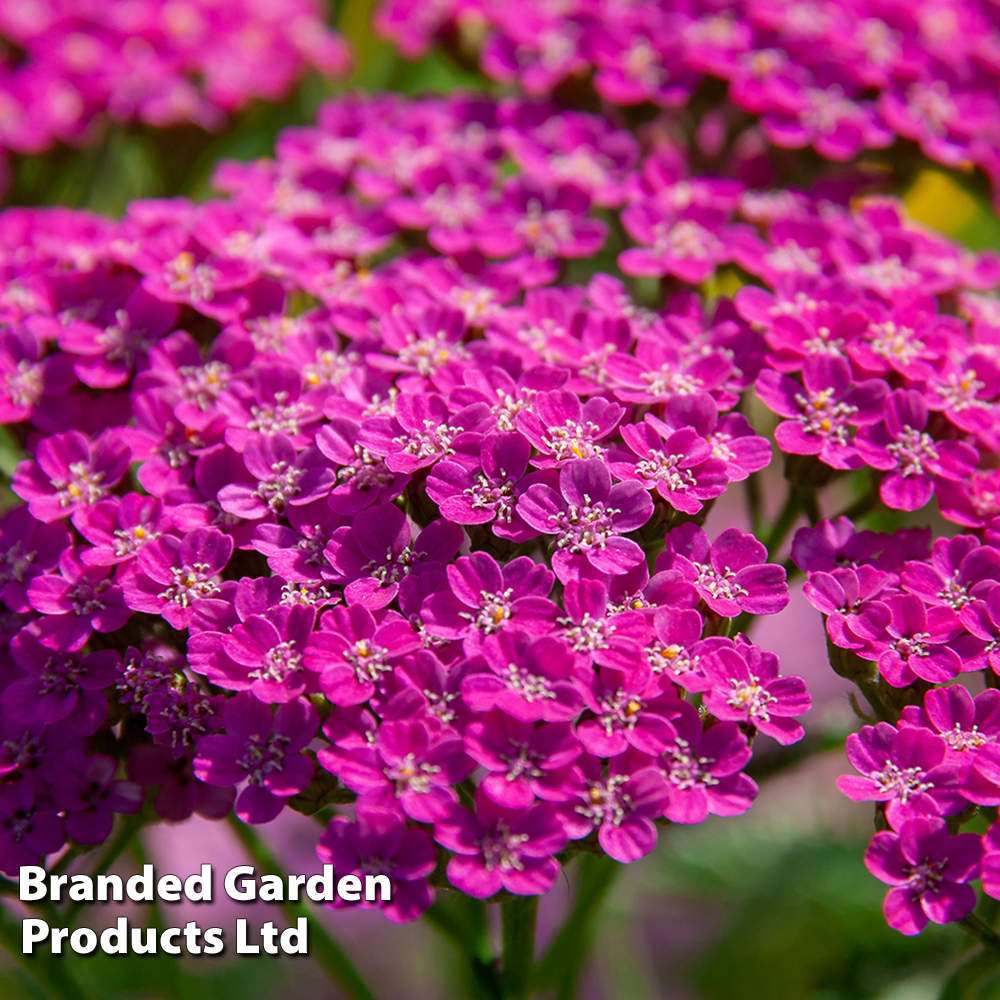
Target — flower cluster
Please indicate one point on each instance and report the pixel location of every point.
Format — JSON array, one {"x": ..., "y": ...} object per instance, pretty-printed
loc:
[
  {"x": 904, "y": 619},
  {"x": 156, "y": 62},
  {"x": 423, "y": 537},
  {"x": 841, "y": 78}
]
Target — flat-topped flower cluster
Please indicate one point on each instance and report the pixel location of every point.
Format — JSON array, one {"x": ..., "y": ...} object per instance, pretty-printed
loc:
[
  {"x": 317, "y": 516},
  {"x": 841, "y": 78},
  {"x": 415, "y": 547},
  {"x": 66, "y": 65}
]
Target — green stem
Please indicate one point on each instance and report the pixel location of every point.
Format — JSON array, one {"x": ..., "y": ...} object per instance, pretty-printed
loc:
[
  {"x": 129, "y": 827},
  {"x": 981, "y": 931},
  {"x": 517, "y": 916},
  {"x": 463, "y": 922},
  {"x": 50, "y": 972},
  {"x": 751, "y": 488},
  {"x": 327, "y": 953},
  {"x": 779, "y": 530},
  {"x": 870, "y": 689},
  {"x": 861, "y": 506},
  {"x": 564, "y": 960}
]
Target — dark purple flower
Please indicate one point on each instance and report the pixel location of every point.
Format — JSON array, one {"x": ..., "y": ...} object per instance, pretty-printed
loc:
[
  {"x": 29, "y": 829},
  {"x": 179, "y": 792},
  {"x": 28, "y": 548},
  {"x": 377, "y": 550},
  {"x": 377, "y": 843},
  {"x": 262, "y": 749},
  {"x": 59, "y": 686},
  {"x": 90, "y": 794}
]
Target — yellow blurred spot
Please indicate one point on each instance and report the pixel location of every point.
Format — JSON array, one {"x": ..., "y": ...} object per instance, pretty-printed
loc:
[{"x": 937, "y": 201}]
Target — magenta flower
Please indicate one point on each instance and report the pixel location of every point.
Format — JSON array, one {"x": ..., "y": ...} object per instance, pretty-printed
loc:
[
  {"x": 82, "y": 599},
  {"x": 678, "y": 464},
  {"x": 378, "y": 844},
  {"x": 689, "y": 246},
  {"x": 704, "y": 770},
  {"x": 960, "y": 569},
  {"x": 490, "y": 493},
  {"x": 109, "y": 350},
  {"x": 529, "y": 679},
  {"x": 621, "y": 806},
  {"x": 731, "y": 574},
  {"x": 353, "y": 654},
  {"x": 930, "y": 871},
  {"x": 588, "y": 516},
  {"x": 982, "y": 619},
  {"x": 909, "y": 640},
  {"x": 969, "y": 726},
  {"x": 263, "y": 750},
  {"x": 377, "y": 550},
  {"x": 170, "y": 575},
  {"x": 523, "y": 761},
  {"x": 912, "y": 459},
  {"x": 270, "y": 649},
  {"x": 283, "y": 478},
  {"x": 69, "y": 473},
  {"x": 421, "y": 431},
  {"x": 746, "y": 688},
  {"x": 906, "y": 769},
  {"x": 409, "y": 768},
  {"x": 563, "y": 429},
  {"x": 117, "y": 529},
  {"x": 543, "y": 223},
  {"x": 484, "y": 599},
  {"x": 498, "y": 848},
  {"x": 820, "y": 412}
]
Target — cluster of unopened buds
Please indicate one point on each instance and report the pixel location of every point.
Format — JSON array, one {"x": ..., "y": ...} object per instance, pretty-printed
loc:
[
  {"x": 316, "y": 516},
  {"x": 66, "y": 66},
  {"x": 840, "y": 78}
]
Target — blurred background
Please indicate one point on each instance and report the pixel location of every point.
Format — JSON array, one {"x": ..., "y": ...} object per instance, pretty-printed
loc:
[{"x": 775, "y": 905}]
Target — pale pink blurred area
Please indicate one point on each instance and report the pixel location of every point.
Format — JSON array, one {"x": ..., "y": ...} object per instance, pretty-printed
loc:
[{"x": 397, "y": 962}]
